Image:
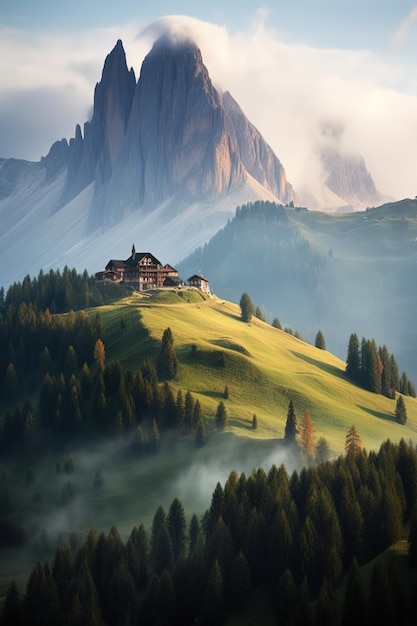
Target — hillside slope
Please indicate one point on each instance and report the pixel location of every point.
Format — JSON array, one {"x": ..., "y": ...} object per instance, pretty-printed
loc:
[
  {"x": 338, "y": 273},
  {"x": 263, "y": 368}
]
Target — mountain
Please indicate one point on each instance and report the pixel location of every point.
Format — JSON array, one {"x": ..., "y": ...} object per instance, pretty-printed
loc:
[
  {"x": 339, "y": 273},
  {"x": 163, "y": 161},
  {"x": 345, "y": 183}
]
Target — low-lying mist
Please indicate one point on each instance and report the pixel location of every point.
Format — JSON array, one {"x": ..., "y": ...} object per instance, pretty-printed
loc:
[{"x": 104, "y": 484}]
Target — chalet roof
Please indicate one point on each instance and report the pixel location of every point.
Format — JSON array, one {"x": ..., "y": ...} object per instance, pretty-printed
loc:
[
  {"x": 139, "y": 256},
  {"x": 116, "y": 264},
  {"x": 198, "y": 277},
  {"x": 172, "y": 281}
]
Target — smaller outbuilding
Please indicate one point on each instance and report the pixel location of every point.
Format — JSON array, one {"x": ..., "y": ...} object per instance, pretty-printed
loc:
[{"x": 199, "y": 282}]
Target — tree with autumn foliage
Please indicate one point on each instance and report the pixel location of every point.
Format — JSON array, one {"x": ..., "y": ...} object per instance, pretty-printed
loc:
[
  {"x": 307, "y": 437},
  {"x": 99, "y": 353},
  {"x": 353, "y": 444}
]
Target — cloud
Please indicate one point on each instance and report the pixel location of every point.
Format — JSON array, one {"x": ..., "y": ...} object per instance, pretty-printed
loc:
[{"x": 288, "y": 91}]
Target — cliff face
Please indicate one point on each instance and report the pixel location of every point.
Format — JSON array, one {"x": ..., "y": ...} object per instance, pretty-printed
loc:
[
  {"x": 90, "y": 157},
  {"x": 348, "y": 177},
  {"x": 184, "y": 141}
]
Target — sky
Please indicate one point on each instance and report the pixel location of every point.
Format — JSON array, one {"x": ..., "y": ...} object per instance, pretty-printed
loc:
[{"x": 296, "y": 69}]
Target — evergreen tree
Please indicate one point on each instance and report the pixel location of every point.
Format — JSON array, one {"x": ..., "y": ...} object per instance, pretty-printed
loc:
[
  {"x": 325, "y": 605},
  {"x": 11, "y": 615},
  {"x": 400, "y": 411},
  {"x": 254, "y": 422},
  {"x": 247, "y": 308},
  {"x": 221, "y": 416},
  {"x": 276, "y": 323},
  {"x": 353, "y": 359},
  {"x": 214, "y": 599},
  {"x": 259, "y": 314},
  {"x": 353, "y": 445},
  {"x": 162, "y": 550},
  {"x": 177, "y": 528},
  {"x": 239, "y": 582},
  {"x": 291, "y": 430},
  {"x": 167, "y": 363},
  {"x": 381, "y": 601},
  {"x": 166, "y": 601},
  {"x": 355, "y": 602},
  {"x": 226, "y": 393},
  {"x": 180, "y": 411},
  {"x": 193, "y": 532},
  {"x": 201, "y": 433},
  {"x": 188, "y": 412},
  {"x": 320, "y": 341}
]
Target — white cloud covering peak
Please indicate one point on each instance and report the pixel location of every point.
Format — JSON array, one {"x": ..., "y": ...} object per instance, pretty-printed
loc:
[{"x": 288, "y": 91}]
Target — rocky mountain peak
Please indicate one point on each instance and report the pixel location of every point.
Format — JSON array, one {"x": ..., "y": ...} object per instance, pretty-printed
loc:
[{"x": 183, "y": 141}]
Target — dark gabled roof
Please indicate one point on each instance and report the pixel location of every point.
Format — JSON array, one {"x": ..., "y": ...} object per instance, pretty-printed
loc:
[
  {"x": 116, "y": 263},
  {"x": 199, "y": 277},
  {"x": 167, "y": 266},
  {"x": 139, "y": 256},
  {"x": 172, "y": 281}
]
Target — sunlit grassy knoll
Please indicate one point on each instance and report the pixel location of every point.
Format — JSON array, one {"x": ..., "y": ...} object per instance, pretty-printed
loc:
[{"x": 263, "y": 368}]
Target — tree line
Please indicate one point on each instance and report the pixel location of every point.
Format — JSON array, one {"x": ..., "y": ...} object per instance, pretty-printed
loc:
[
  {"x": 300, "y": 537},
  {"x": 375, "y": 369}
]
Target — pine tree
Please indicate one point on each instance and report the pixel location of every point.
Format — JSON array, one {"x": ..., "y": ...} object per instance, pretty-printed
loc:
[
  {"x": 188, "y": 412},
  {"x": 400, "y": 411},
  {"x": 11, "y": 615},
  {"x": 201, "y": 433},
  {"x": 167, "y": 363},
  {"x": 381, "y": 601},
  {"x": 221, "y": 416},
  {"x": 254, "y": 422},
  {"x": 355, "y": 602},
  {"x": 353, "y": 359},
  {"x": 353, "y": 444},
  {"x": 276, "y": 323},
  {"x": 176, "y": 528},
  {"x": 291, "y": 429},
  {"x": 320, "y": 341},
  {"x": 214, "y": 599},
  {"x": 166, "y": 601},
  {"x": 239, "y": 582}
]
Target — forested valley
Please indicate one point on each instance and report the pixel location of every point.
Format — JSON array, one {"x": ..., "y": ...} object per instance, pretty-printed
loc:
[{"x": 314, "y": 546}]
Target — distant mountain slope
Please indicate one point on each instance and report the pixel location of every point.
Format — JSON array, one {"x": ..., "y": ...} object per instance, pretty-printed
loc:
[
  {"x": 338, "y": 273},
  {"x": 166, "y": 158}
]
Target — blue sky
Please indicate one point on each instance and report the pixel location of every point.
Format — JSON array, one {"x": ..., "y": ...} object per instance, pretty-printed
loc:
[{"x": 293, "y": 67}]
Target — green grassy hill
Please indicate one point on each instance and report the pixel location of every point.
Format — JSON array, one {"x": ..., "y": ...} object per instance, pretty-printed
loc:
[
  {"x": 341, "y": 273},
  {"x": 263, "y": 368}
]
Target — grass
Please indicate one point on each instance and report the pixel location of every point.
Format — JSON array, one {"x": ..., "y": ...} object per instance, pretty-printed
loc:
[{"x": 263, "y": 368}]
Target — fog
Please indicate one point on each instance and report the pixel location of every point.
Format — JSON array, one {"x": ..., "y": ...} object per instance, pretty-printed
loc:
[
  {"x": 58, "y": 504},
  {"x": 287, "y": 90}
]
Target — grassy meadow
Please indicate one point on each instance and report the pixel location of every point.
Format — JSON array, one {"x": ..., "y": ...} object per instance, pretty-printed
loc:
[{"x": 263, "y": 369}]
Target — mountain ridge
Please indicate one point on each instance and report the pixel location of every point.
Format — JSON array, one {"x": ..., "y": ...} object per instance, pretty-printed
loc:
[{"x": 160, "y": 155}]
